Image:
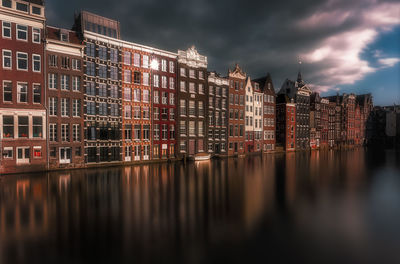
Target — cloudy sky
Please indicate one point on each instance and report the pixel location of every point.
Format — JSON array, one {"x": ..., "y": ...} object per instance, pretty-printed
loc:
[{"x": 345, "y": 46}]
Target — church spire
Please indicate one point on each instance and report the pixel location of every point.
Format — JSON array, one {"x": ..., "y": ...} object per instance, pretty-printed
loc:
[{"x": 299, "y": 77}]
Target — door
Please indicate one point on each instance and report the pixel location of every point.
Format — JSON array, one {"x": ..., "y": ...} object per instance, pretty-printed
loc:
[
  {"x": 23, "y": 155},
  {"x": 65, "y": 155}
]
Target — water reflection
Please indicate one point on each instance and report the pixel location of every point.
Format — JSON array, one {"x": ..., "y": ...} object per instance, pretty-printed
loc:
[{"x": 206, "y": 211}]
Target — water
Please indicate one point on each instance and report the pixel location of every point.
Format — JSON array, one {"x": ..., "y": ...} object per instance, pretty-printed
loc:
[{"x": 323, "y": 207}]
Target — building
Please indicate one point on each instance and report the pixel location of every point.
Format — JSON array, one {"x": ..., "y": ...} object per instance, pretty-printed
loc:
[
  {"x": 22, "y": 105},
  {"x": 300, "y": 93},
  {"x": 102, "y": 82},
  {"x": 249, "y": 117},
  {"x": 315, "y": 120},
  {"x": 136, "y": 103},
  {"x": 192, "y": 102},
  {"x": 324, "y": 118},
  {"x": 268, "y": 112},
  {"x": 331, "y": 123},
  {"x": 236, "y": 139},
  {"x": 285, "y": 123},
  {"x": 365, "y": 101},
  {"x": 64, "y": 63},
  {"x": 218, "y": 88},
  {"x": 258, "y": 128}
]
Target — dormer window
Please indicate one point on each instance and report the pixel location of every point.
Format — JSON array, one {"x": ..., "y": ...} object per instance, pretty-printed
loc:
[
  {"x": 22, "y": 7},
  {"x": 36, "y": 10},
  {"x": 64, "y": 36},
  {"x": 6, "y": 3}
]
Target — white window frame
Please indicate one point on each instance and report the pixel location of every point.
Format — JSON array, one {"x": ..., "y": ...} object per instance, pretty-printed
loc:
[
  {"x": 12, "y": 152},
  {"x": 34, "y": 34},
  {"x": 23, "y": 160},
  {"x": 26, "y": 32},
  {"x": 10, "y": 57},
  {"x": 64, "y": 159},
  {"x": 171, "y": 67},
  {"x": 35, "y": 60},
  {"x": 27, "y": 61},
  {"x": 4, "y": 27},
  {"x": 18, "y": 92}
]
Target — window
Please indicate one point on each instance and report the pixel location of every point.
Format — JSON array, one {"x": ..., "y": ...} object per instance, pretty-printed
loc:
[
  {"x": 22, "y": 96},
  {"x": 200, "y": 128},
  {"x": 164, "y": 113},
  {"x": 137, "y": 132},
  {"x": 36, "y": 35},
  {"x": 145, "y": 61},
  {"x": 7, "y": 91},
  {"x": 8, "y": 127},
  {"x": 183, "y": 86},
  {"x": 64, "y": 36},
  {"x": 64, "y": 107},
  {"x": 90, "y": 49},
  {"x": 136, "y": 112},
  {"x": 192, "y": 128},
  {"x": 65, "y": 132},
  {"x": 172, "y": 99},
  {"x": 8, "y": 153},
  {"x": 145, "y": 78},
  {"x": 171, "y": 114},
  {"x": 164, "y": 98},
  {"x": 22, "y": 61},
  {"x": 156, "y": 113},
  {"x": 53, "y": 60},
  {"x": 201, "y": 108},
  {"x": 171, "y": 67},
  {"x": 136, "y": 77},
  {"x": 114, "y": 55},
  {"x": 164, "y": 65},
  {"x": 201, "y": 88},
  {"x": 102, "y": 53},
  {"x": 182, "y": 128},
  {"x": 146, "y": 97},
  {"x": 127, "y": 94},
  {"x": 76, "y": 83},
  {"x": 90, "y": 89},
  {"x": 192, "y": 88},
  {"x": 65, "y": 62},
  {"x": 23, "y": 154},
  {"x": 90, "y": 69},
  {"x": 103, "y": 71},
  {"x": 7, "y": 59},
  {"x": 156, "y": 80},
  {"x": 114, "y": 109},
  {"x": 114, "y": 73},
  {"x": 201, "y": 75},
  {"x": 22, "y": 32},
  {"x": 76, "y": 132},
  {"x": 102, "y": 90},
  {"x": 23, "y": 127},
  {"x": 171, "y": 83},
  {"x": 128, "y": 132},
  {"x": 76, "y": 64},
  {"x": 146, "y": 113},
  {"x": 136, "y": 60},
  {"x": 37, "y": 126},
  {"x": 91, "y": 108},
  {"x": 114, "y": 91},
  {"x": 127, "y": 76},
  {"x": 7, "y": 3},
  {"x": 136, "y": 95},
  {"x": 156, "y": 97},
  {"x": 37, "y": 91},
  {"x": 183, "y": 72},
  {"x": 6, "y": 29},
  {"x": 76, "y": 108},
  {"x": 64, "y": 82},
  {"x": 22, "y": 7},
  {"x": 127, "y": 58},
  {"x": 53, "y": 106},
  {"x": 192, "y": 74},
  {"x": 103, "y": 109},
  {"x": 182, "y": 107},
  {"x": 156, "y": 133},
  {"x": 192, "y": 108},
  {"x": 164, "y": 82},
  {"x": 128, "y": 112}
]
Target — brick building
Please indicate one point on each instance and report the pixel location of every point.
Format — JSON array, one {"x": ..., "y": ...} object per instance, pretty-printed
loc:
[
  {"x": 22, "y": 104},
  {"x": 64, "y": 60},
  {"x": 237, "y": 93},
  {"x": 102, "y": 82},
  {"x": 218, "y": 88},
  {"x": 192, "y": 102},
  {"x": 269, "y": 112},
  {"x": 249, "y": 117},
  {"x": 285, "y": 123}
]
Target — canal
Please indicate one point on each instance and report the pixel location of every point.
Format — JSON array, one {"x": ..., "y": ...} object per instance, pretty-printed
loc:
[{"x": 319, "y": 207}]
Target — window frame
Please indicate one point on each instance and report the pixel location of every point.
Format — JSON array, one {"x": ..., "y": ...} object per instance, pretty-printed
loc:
[
  {"x": 5, "y": 27},
  {"x": 35, "y": 34},
  {"x": 17, "y": 31},
  {"x": 3, "y": 57},
  {"x": 27, "y": 61},
  {"x": 35, "y": 60}
]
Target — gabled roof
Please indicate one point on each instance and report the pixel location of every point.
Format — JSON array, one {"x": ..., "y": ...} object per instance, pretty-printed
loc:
[
  {"x": 54, "y": 34},
  {"x": 237, "y": 72},
  {"x": 263, "y": 82}
]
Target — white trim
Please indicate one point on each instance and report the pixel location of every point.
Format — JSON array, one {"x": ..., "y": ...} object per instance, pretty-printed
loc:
[
  {"x": 21, "y": 18},
  {"x": 16, "y": 32},
  {"x": 2, "y": 29},
  {"x": 27, "y": 61},
  {"x": 2, "y": 58},
  {"x": 33, "y": 63}
]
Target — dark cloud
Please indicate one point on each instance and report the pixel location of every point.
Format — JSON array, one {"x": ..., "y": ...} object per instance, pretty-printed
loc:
[{"x": 259, "y": 35}]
